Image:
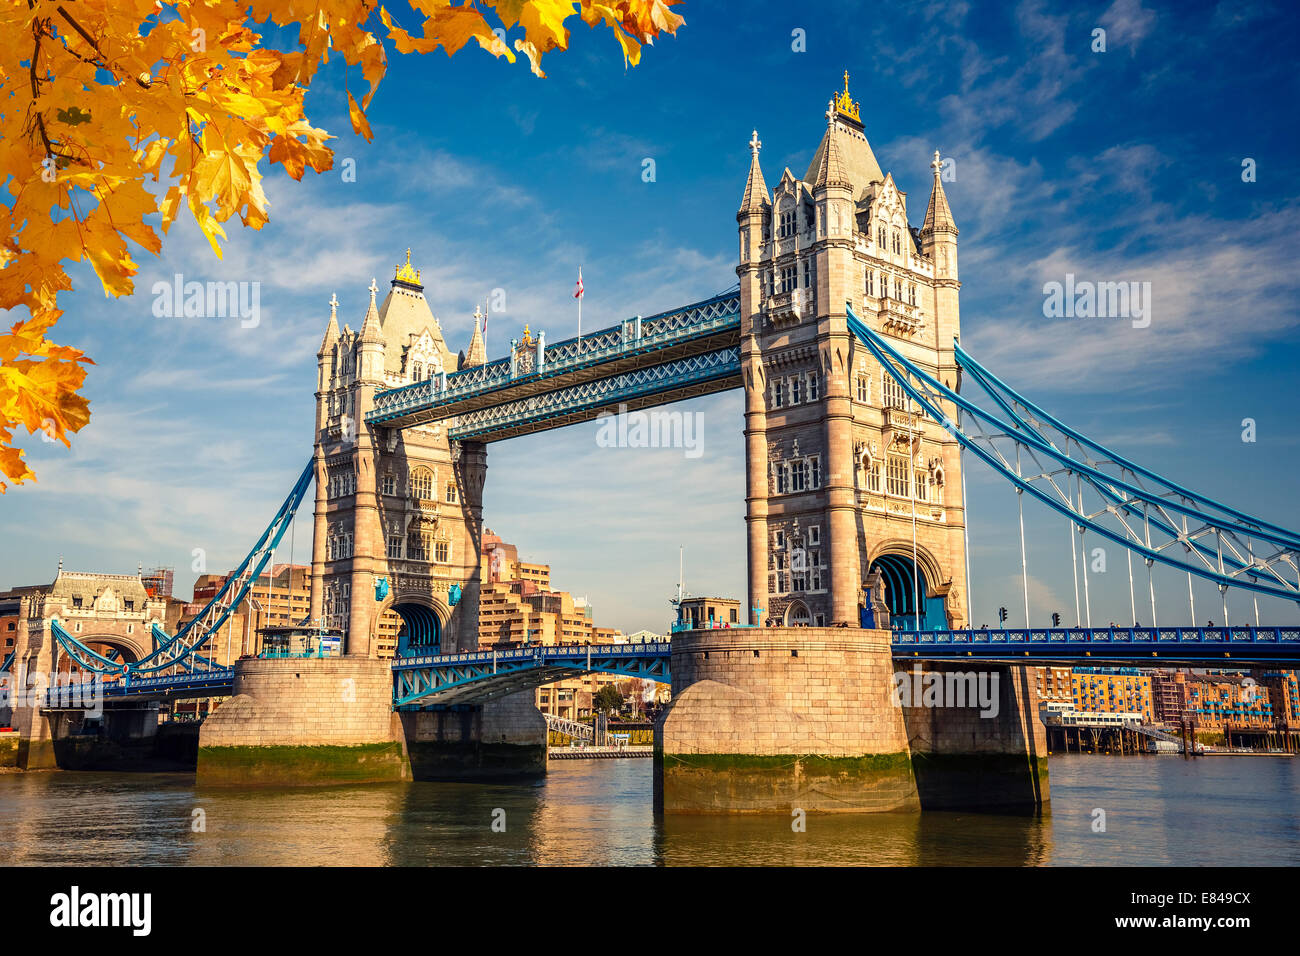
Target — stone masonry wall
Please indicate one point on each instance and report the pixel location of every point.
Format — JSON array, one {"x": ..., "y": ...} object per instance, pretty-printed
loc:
[
  {"x": 305, "y": 702},
  {"x": 769, "y": 720}
]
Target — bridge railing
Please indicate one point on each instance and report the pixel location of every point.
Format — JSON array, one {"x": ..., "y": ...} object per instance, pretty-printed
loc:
[
  {"x": 1097, "y": 635},
  {"x": 540, "y": 652},
  {"x": 631, "y": 335},
  {"x": 131, "y": 685}
]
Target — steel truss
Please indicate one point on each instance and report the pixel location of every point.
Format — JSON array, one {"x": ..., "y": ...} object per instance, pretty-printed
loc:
[
  {"x": 485, "y": 675},
  {"x": 571, "y": 728},
  {"x": 175, "y": 650},
  {"x": 630, "y": 338},
  {"x": 1176, "y": 644},
  {"x": 653, "y": 385},
  {"x": 1154, "y": 518}
]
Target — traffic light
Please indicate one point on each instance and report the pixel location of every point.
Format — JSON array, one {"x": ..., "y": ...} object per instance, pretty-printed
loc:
[
  {"x": 1002, "y": 614},
  {"x": 1056, "y": 619}
]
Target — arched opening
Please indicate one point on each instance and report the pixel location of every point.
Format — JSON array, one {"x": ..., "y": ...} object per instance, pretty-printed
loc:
[
  {"x": 420, "y": 631},
  {"x": 796, "y": 615},
  {"x": 902, "y": 587},
  {"x": 117, "y": 649}
]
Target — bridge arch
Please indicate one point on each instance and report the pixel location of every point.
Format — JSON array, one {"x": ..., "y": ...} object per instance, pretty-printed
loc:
[
  {"x": 423, "y": 621},
  {"x": 911, "y": 598},
  {"x": 123, "y": 648}
]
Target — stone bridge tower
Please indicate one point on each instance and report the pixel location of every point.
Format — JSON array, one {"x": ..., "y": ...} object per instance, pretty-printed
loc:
[
  {"x": 839, "y": 471},
  {"x": 398, "y": 518}
]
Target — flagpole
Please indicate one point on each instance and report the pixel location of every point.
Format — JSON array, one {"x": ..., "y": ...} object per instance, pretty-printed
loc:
[{"x": 580, "y": 310}]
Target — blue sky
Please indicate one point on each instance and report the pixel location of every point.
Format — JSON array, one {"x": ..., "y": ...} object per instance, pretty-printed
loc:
[{"x": 1118, "y": 165}]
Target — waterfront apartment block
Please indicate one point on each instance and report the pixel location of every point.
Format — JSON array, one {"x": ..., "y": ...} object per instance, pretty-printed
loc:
[
  {"x": 1214, "y": 702},
  {"x": 517, "y": 605}
]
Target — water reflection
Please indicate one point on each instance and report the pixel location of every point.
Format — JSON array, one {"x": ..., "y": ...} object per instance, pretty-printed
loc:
[{"x": 1158, "y": 811}]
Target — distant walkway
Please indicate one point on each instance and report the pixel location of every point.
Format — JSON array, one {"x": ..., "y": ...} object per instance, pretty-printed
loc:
[{"x": 599, "y": 753}]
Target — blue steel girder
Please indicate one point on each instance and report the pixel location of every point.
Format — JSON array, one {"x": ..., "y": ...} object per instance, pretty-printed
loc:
[
  {"x": 486, "y": 675},
  {"x": 217, "y": 682},
  {"x": 1171, "y": 529},
  {"x": 633, "y": 344},
  {"x": 659, "y": 384},
  {"x": 1158, "y": 646},
  {"x": 170, "y": 650}
]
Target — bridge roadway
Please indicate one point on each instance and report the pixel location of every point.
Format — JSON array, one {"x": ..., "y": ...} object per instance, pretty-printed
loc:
[{"x": 446, "y": 679}]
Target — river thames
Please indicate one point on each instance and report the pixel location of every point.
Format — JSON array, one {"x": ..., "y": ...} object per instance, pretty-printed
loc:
[{"x": 1215, "y": 811}]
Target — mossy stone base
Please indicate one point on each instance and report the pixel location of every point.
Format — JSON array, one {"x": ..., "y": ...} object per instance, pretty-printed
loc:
[
  {"x": 471, "y": 760},
  {"x": 36, "y": 755},
  {"x": 9, "y": 750},
  {"x": 751, "y": 783},
  {"x": 289, "y": 766},
  {"x": 990, "y": 782}
]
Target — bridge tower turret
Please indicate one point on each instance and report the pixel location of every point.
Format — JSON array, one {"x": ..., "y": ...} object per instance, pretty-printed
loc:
[
  {"x": 398, "y": 512},
  {"x": 837, "y": 466},
  {"x": 755, "y": 222}
]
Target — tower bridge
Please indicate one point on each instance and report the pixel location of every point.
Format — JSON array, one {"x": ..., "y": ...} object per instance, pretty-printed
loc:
[{"x": 843, "y": 333}]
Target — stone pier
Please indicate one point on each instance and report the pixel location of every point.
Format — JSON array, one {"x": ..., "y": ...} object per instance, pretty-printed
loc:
[
  {"x": 314, "y": 721},
  {"x": 304, "y": 721},
  {"x": 498, "y": 740},
  {"x": 778, "y": 719},
  {"x": 973, "y": 756}
]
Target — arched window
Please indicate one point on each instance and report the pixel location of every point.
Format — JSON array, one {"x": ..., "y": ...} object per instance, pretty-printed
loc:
[
  {"x": 898, "y": 246},
  {"x": 417, "y": 372},
  {"x": 451, "y": 492},
  {"x": 880, "y": 238},
  {"x": 422, "y": 484}
]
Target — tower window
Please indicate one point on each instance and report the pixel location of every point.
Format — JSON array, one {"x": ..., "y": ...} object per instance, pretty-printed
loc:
[
  {"x": 451, "y": 492},
  {"x": 789, "y": 279},
  {"x": 796, "y": 390},
  {"x": 422, "y": 484},
  {"x": 864, "y": 388},
  {"x": 389, "y": 483},
  {"x": 814, "y": 386},
  {"x": 871, "y": 283},
  {"x": 897, "y": 483},
  {"x": 442, "y": 552},
  {"x": 394, "y": 546},
  {"x": 798, "y": 475},
  {"x": 895, "y": 397}
]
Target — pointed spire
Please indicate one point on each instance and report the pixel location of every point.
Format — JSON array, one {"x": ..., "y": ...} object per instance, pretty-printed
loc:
[
  {"x": 331, "y": 330},
  {"x": 370, "y": 327},
  {"x": 755, "y": 188},
  {"x": 938, "y": 217},
  {"x": 830, "y": 170},
  {"x": 477, "y": 353}
]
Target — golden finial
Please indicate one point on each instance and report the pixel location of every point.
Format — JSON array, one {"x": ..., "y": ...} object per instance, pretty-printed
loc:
[
  {"x": 405, "y": 273},
  {"x": 845, "y": 104}
]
